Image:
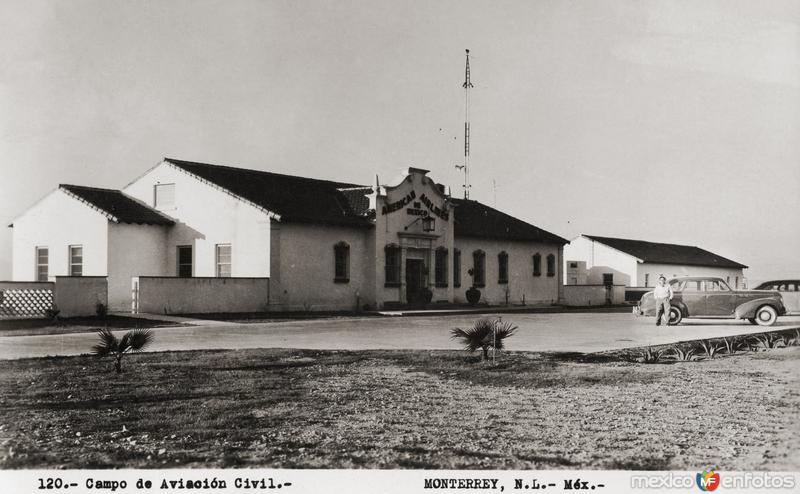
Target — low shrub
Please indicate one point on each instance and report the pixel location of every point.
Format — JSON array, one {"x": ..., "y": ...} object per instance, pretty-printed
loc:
[
  {"x": 101, "y": 310},
  {"x": 53, "y": 313},
  {"x": 473, "y": 295}
]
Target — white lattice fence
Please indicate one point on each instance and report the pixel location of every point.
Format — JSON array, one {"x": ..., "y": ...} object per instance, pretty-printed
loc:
[{"x": 25, "y": 301}]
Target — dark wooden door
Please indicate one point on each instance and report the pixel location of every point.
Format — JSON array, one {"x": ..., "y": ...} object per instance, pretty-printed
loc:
[{"x": 414, "y": 279}]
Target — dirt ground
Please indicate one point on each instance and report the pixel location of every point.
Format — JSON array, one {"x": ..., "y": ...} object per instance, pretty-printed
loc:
[{"x": 400, "y": 409}]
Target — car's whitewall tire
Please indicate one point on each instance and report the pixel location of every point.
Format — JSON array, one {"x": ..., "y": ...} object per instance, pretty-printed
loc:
[
  {"x": 675, "y": 316},
  {"x": 766, "y": 315}
]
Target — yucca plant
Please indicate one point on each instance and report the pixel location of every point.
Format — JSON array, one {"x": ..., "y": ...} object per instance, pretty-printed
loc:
[
  {"x": 484, "y": 334},
  {"x": 710, "y": 349},
  {"x": 683, "y": 354},
  {"x": 766, "y": 340},
  {"x": 132, "y": 341},
  {"x": 790, "y": 339},
  {"x": 734, "y": 344},
  {"x": 651, "y": 356}
]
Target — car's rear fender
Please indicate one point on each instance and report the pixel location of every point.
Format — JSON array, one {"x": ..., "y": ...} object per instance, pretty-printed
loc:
[
  {"x": 680, "y": 305},
  {"x": 748, "y": 309}
]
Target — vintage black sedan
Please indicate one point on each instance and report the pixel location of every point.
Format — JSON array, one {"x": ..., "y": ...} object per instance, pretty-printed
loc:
[{"x": 706, "y": 297}]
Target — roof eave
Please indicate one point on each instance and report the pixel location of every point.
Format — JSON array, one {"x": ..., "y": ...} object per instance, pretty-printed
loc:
[
  {"x": 587, "y": 237},
  {"x": 271, "y": 214},
  {"x": 75, "y": 196}
]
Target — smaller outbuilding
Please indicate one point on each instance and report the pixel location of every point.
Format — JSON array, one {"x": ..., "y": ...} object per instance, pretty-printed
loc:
[{"x": 595, "y": 260}]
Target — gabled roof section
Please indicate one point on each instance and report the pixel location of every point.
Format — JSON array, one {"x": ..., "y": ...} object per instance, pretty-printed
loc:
[
  {"x": 117, "y": 206},
  {"x": 667, "y": 253},
  {"x": 474, "y": 219},
  {"x": 294, "y": 199}
]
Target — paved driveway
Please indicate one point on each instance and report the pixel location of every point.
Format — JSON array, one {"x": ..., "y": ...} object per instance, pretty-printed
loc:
[{"x": 569, "y": 332}]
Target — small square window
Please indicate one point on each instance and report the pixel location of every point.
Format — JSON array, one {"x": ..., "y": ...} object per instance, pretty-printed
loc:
[{"x": 164, "y": 196}]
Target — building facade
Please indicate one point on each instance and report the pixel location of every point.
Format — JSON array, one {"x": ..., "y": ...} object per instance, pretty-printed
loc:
[
  {"x": 590, "y": 259},
  {"x": 323, "y": 245}
]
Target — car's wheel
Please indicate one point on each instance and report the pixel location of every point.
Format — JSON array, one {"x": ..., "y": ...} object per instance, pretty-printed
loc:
[
  {"x": 675, "y": 316},
  {"x": 766, "y": 315},
  {"x": 752, "y": 320}
]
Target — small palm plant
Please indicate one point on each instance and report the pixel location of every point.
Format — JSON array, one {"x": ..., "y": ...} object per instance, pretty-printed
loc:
[
  {"x": 485, "y": 334},
  {"x": 132, "y": 341}
]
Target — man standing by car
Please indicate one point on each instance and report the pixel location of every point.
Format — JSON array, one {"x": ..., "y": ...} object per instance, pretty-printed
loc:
[{"x": 662, "y": 294}]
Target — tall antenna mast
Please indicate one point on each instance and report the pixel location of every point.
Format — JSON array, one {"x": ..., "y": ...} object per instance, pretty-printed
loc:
[{"x": 467, "y": 86}]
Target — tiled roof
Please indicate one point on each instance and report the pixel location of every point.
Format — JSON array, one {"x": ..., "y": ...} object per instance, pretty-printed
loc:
[
  {"x": 309, "y": 200},
  {"x": 119, "y": 206},
  {"x": 667, "y": 253},
  {"x": 474, "y": 219},
  {"x": 298, "y": 199},
  {"x": 357, "y": 199}
]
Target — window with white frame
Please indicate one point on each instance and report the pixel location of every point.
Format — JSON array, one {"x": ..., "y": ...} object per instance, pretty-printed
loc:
[
  {"x": 223, "y": 260},
  {"x": 76, "y": 260},
  {"x": 185, "y": 261},
  {"x": 164, "y": 196},
  {"x": 42, "y": 263}
]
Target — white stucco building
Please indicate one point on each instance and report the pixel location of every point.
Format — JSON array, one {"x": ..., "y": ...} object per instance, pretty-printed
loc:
[
  {"x": 590, "y": 259},
  {"x": 323, "y": 245}
]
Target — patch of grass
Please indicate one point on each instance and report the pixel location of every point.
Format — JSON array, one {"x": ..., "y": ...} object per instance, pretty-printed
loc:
[
  {"x": 279, "y": 408},
  {"x": 642, "y": 463}
]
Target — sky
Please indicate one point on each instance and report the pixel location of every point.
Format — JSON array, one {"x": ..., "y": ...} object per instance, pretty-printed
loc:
[{"x": 668, "y": 121}]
